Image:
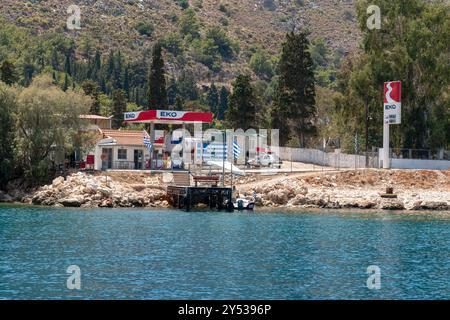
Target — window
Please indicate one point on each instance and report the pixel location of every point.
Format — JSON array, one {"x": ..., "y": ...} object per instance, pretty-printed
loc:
[{"x": 122, "y": 154}]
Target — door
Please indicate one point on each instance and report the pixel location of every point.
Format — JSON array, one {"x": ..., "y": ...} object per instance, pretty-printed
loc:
[
  {"x": 107, "y": 157},
  {"x": 138, "y": 159}
]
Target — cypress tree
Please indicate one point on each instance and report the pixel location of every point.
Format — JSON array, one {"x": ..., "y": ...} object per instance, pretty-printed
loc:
[
  {"x": 157, "y": 94},
  {"x": 241, "y": 112},
  {"x": 223, "y": 103},
  {"x": 213, "y": 99},
  {"x": 67, "y": 65},
  {"x": 66, "y": 82},
  {"x": 119, "y": 107},
  {"x": 91, "y": 89},
  {"x": 294, "y": 106},
  {"x": 126, "y": 82},
  {"x": 55, "y": 60}
]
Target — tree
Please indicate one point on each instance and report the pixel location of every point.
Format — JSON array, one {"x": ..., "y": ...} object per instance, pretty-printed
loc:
[
  {"x": 189, "y": 24},
  {"x": 157, "y": 94},
  {"x": 241, "y": 112},
  {"x": 222, "y": 43},
  {"x": 8, "y": 73},
  {"x": 294, "y": 106},
  {"x": 7, "y": 133},
  {"x": 48, "y": 126},
  {"x": 223, "y": 103},
  {"x": 187, "y": 86},
  {"x": 172, "y": 92},
  {"x": 91, "y": 89},
  {"x": 213, "y": 99},
  {"x": 412, "y": 46},
  {"x": 126, "y": 82},
  {"x": 119, "y": 107},
  {"x": 261, "y": 64}
]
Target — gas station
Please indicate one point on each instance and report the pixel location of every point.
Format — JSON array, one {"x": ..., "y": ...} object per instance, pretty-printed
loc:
[{"x": 166, "y": 117}]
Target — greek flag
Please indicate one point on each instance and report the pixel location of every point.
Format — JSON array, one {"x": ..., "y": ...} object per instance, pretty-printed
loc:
[
  {"x": 214, "y": 151},
  {"x": 148, "y": 142},
  {"x": 236, "y": 150}
]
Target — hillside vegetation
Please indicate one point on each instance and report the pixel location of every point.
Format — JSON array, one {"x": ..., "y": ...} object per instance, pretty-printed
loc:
[{"x": 133, "y": 26}]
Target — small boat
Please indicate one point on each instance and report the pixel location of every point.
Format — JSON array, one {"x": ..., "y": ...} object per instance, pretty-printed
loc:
[{"x": 244, "y": 204}]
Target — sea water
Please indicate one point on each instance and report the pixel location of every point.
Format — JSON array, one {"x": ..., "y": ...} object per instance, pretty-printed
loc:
[{"x": 169, "y": 254}]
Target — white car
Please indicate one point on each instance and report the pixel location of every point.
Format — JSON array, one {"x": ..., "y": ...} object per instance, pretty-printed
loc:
[{"x": 265, "y": 160}]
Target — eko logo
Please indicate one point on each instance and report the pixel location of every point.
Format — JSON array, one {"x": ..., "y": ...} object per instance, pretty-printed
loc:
[
  {"x": 390, "y": 107},
  {"x": 131, "y": 115},
  {"x": 168, "y": 114}
]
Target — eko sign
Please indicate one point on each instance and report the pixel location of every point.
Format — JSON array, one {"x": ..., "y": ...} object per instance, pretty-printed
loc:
[{"x": 392, "y": 102}]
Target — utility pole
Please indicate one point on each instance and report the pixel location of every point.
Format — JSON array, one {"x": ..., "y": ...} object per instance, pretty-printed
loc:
[{"x": 366, "y": 116}]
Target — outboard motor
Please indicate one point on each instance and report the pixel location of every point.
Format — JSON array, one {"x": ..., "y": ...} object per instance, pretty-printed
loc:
[{"x": 240, "y": 204}]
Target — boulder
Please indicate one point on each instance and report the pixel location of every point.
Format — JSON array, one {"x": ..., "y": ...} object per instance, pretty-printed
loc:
[
  {"x": 393, "y": 204},
  {"x": 430, "y": 205},
  {"x": 57, "y": 182},
  {"x": 107, "y": 203},
  {"x": 71, "y": 202},
  {"x": 4, "y": 197}
]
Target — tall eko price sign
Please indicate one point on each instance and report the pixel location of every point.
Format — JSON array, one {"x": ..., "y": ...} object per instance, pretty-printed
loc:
[{"x": 392, "y": 114}]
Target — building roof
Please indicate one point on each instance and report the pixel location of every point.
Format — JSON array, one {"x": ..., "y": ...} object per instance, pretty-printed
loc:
[
  {"x": 125, "y": 137},
  {"x": 94, "y": 117}
]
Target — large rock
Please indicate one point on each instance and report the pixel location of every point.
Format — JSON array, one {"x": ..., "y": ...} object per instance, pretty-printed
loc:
[
  {"x": 430, "y": 205},
  {"x": 57, "y": 182},
  {"x": 392, "y": 205},
  {"x": 4, "y": 197},
  {"x": 72, "y": 202}
]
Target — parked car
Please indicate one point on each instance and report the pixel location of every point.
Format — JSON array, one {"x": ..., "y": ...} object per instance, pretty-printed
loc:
[{"x": 265, "y": 160}]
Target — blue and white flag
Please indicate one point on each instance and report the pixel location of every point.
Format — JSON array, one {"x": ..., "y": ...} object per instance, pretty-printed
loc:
[
  {"x": 214, "y": 151},
  {"x": 148, "y": 142},
  {"x": 236, "y": 150}
]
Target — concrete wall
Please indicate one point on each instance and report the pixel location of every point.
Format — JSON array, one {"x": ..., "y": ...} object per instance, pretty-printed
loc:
[
  {"x": 337, "y": 160},
  {"x": 420, "y": 164},
  {"x": 342, "y": 160}
]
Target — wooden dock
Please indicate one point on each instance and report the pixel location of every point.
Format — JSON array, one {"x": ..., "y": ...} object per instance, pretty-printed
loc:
[{"x": 186, "y": 197}]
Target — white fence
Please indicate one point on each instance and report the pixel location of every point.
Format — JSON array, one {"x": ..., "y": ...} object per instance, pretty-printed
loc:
[
  {"x": 343, "y": 160},
  {"x": 327, "y": 159},
  {"x": 420, "y": 164}
]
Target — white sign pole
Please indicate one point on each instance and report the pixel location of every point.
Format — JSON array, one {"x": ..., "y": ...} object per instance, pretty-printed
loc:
[{"x": 386, "y": 160}]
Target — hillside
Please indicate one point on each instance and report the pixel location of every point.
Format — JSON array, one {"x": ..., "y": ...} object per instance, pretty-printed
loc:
[{"x": 112, "y": 25}]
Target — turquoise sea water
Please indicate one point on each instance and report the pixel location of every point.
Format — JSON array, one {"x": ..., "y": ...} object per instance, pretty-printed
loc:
[{"x": 167, "y": 254}]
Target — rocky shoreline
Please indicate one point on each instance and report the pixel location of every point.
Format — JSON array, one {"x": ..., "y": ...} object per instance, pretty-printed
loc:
[{"x": 344, "y": 190}]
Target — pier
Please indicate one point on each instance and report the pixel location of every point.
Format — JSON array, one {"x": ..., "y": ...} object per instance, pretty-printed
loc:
[
  {"x": 186, "y": 197},
  {"x": 183, "y": 195}
]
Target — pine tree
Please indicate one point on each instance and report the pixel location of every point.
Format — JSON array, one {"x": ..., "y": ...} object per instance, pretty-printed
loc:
[
  {"x": 91, "y": 89},
  {"x": 241, "y": 112},
  {"x": 213, "y": 99},
  {"x": 8, "y": 73},
  {"x": 294, "y": 106},
  {"x": 119, "y": 107},
  {"x": 223, "y": 103},
  {"x": 157, "y": 94}
]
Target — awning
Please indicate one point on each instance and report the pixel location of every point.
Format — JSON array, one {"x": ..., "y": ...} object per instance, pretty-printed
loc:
[{"x": 168, "y": 117}]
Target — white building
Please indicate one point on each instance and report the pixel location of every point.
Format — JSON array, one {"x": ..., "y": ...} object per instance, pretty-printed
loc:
[{"x": 121, "y": 149}]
